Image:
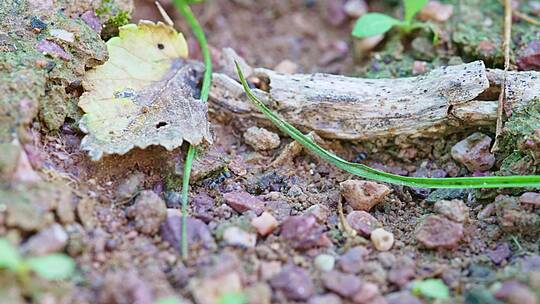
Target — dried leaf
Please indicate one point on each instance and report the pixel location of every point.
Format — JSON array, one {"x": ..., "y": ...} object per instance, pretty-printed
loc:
[{"x": 143, "y": 95}]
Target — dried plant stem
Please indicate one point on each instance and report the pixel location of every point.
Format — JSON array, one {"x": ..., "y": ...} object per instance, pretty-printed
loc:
[{"x": 506, "y": 49}]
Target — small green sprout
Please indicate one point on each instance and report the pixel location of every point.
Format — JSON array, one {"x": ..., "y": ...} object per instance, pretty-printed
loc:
[
  {"x": 54, "y": 266},
  {"x": 232, "y": 298},
  {"x": 373, "y": 24}
]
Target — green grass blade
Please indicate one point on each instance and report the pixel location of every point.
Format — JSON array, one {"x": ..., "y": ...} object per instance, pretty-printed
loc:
[
  {"x": 532, "y": 181},
  {"x": 185, "y": 10}
]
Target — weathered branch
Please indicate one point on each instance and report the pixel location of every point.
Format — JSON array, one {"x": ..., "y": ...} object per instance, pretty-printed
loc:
[{"x": 443, "y": 101}]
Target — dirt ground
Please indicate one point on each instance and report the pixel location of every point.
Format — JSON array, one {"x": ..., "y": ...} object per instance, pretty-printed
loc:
[{"x": 121, "y": 214}]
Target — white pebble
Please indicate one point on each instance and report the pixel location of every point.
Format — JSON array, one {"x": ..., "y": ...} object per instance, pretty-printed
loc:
[{"x": 382, "y": 239}]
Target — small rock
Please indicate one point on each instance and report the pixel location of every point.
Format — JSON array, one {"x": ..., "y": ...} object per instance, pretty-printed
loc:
[
  {"x": 514, "y": 218},
  {"x": 382, "y": 239},
  {"x": 268, "y": 270},
  {"x": 258, "y": 293},
  {"x": 528, "y": 58},
  {"x": 367, "y": 294},
  {"x": 265, "y": 223},
  {"x": 294, "y": 282},
  {"x": 486, "y": 49},
  {"x": 474, "y": 152},
  {"x": 499, "y": 254},
  {"x": 355, "y": 8},
  {"x": 85, "y": 212},
  {"x": 53, "y": 49},
  {"x": 286, "y": 67},
  {"x": 353, "y": 260},
  {"x": 148, "y": 212},
  {"x": 92, "y": 20},
  {"x": 50, "y": 240},
  {"x": 338, "y": 50},
  {"x": 198, "y": 234},
  {"x": 62, "y": 35},
  {"x": 436, "y": 11},
  {"x": 334, "y": 12},
  {"x": 173, "y": 199},
  {"x": 455, "y": 210},
  {"x": 401, "y": 275},
  {"x": 303, "y": 232},
  {"x": 419, "y": 67},
  {"x": 125, "y": 287},
  {"x": 488, "y": 211},
  {"x": 530, "y": 263},
  {"x": 439, "y": 232},
  {"x": 344, "y": 284},
  {"x": 402, "y": 297},
  {"x": 363, "y": 195},
  {"x": 324, "y": 262},
  {"x": 65, "y": 211},
  {"x": 237, "y": 166},
  {"x": 261, "y": 139},
  {"x": 209, "y": 290},
  {"x": 514, "y": 292},
  {"x": 319, "y": 211},
  {"x": 280, "y": 209},
  {"x": 129, "y": 187},
  {"x": 241, "y": 201},
  {"x": 328, "y": 298},
  {"x": 202, "y": 206},
  {"x": 532, "y": 198},
  {"x": 362, "y": 222},
  {"x": 235, "y": 236}
]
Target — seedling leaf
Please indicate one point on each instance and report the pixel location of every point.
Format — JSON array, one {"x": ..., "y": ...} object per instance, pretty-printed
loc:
[
  {"x": 372, "y": 24},
  {"x": 412, "y": 7},
  {"x": 232, "y": 298},
  {"x": 9, "y": 255},
  {"x": 373, "y": 174},
  {"x": 143, "y": 95},
  {"x": 53, "y": 266},
  {"x": 431, "y": 288}
]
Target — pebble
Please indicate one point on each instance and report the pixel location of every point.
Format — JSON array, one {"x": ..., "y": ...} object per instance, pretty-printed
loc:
[
  {"x": 294, "y": 282},
  {"x": 344, "y": 284},
  {"x": 85, "y": 212},
  {"x": 261, "y": 139},
  {"x": 129, "y": 186},
  {"x": 363, "y": 46},
  {"x": 402, "y": 297},
  {"x": 501, "y": 253},
  {"x": 401, "y": 275},
  {"x": 363, "y": 195},
  {"x": 531, "y": 198},
  {"x": 202, "y": 207},
  {"x": 92, "y": 20},
  {"x": 241, "y": 201},
  {"x": 353, "y": 260},
  {"x": 528, "y": 58},
  {"x": 328, "y": 298},
  {"x": 235, "y": 236},
  {"x": 486, "y": 212},
  {"x": 50, "y": 240},
  {"x": 382, "y": 239},
  {"x": 303, "y": 232},
  {"x": 209, "y": 290},
  {"x": 455, "y": 210},
  {"x": 269, "y": 269},
  {"x": 62, "y": 35},
  {"x": 474, "y": 152},
  {"x": 439, "y": 232},
  {"x": 286, "y": 67},
  {"x": 265, "y": 224},
  {"x": 367, "y": 294},
  {"x": 320, "y": 212},
  {"x": 197, "y": 231},
  {"x": 355, "y": 8},
  {"x": 436, "y": 11},
  {"x": 324, "y": 262},
  {"x": 258, "y": 293},
  {"x": 419, "y": 67},
  {"x": 514, "y": 292},
  {"x": 280, "y": 209},
  {"x": 148, "y": 212},
  {"x": 53, "y": 49},
  {"x": 362, "y": 222}
]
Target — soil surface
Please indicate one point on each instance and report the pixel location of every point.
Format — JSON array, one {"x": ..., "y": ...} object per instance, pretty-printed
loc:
[{"x": 264, "y": 225}]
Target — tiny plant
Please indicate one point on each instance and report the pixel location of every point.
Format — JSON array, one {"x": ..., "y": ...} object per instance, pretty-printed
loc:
[
  {"x": 431, "y": 289},
  {"x": 183, "y": 7},
  {"x": 54, "y": 266},
  {"x": 372, "y": 24},
  {"x": 364, "y": 171}
]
